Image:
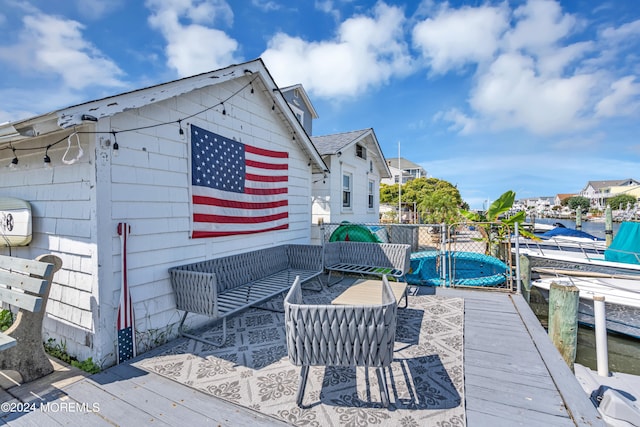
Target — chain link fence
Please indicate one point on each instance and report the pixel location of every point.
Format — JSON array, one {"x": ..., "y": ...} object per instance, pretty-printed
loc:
[{"x": 463, "y": 254}]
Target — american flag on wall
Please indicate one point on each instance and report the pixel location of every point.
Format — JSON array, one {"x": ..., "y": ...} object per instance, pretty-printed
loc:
[{"x": 236, "y": 188}]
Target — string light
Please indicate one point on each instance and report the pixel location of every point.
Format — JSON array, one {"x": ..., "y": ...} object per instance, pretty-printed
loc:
[
  {"x": 14, "y": 162},
  {"x": 47, "y": 159},
  {"x": 115, "y": 146}
]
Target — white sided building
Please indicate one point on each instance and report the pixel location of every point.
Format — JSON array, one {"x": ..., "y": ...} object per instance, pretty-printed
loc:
[
  {"x": 352, "y": 191},
  {"x": 132, "y": 160}
]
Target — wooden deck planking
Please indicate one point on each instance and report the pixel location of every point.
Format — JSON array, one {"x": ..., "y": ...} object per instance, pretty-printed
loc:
[
  {"x": 507, "y": 381},
  {"x": 223, "y": 413},
  {"x": 513, "y": 376}
]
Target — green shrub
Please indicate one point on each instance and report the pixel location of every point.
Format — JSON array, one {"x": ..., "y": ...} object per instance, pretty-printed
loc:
[
  {"x": 6, "y": 319},
  {"x": 59, "y": 351}
]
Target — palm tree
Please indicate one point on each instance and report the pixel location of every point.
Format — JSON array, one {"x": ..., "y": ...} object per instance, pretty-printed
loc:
[{"x": 496, "y": 229}]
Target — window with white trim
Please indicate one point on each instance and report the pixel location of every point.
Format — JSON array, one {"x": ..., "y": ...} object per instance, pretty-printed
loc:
[
  {"x": 346, "y": 190},
  {"x": 361, "y": 151},
  {"x": 372, "y": 186}
]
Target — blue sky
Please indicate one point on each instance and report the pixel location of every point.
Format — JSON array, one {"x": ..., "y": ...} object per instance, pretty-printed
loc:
[{"x": 535, "y": 96}]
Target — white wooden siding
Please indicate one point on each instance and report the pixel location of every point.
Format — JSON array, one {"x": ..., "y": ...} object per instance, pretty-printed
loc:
[
  {"x": 146, "y": 184},
  {"x": 152, "y": 193},
  {"x": 61, "y": 199}
]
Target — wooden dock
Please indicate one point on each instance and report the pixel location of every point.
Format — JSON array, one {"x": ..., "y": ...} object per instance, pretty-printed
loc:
[{"x": 513, "y": 376}]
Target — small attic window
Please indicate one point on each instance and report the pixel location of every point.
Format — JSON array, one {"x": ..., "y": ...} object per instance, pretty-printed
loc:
[
  {"x": 296, "y": 93},
  {"x": 361, "y": 151}
]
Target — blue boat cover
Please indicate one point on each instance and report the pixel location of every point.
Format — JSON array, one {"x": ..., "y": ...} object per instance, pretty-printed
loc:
[
  {"x": 568, "y": 232},
  {"x": 625, "y": 247}
]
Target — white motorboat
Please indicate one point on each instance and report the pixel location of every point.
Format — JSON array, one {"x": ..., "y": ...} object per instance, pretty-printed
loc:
[
  {"x": 621, "y": 257},
  {"x": 621, "y": 296},
  {"x": 564, "y": 239}
]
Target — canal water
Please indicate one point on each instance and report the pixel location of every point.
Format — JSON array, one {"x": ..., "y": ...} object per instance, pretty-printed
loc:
[{"x": 624, "y": 352}]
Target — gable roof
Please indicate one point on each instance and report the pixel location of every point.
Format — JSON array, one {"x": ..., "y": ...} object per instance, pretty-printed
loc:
[
  {"x": 404, "y": 163},
  {"x": 598, "y": 185},
  {"x": 329, "y": 145},
  {"x": 254, "y": 72},
  {"x": 564, "y": 196},
  {"x": 304, "y": 96}
]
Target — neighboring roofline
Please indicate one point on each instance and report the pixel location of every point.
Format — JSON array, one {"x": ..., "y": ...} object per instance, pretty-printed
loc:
[
  {"x": 107, "y": 107},
  {"x": 305, "y": 98},
  {"x": 362, "y": 134},
  {"x": 408, "y": 164}
]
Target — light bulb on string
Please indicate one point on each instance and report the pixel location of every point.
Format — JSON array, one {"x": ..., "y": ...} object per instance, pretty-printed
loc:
[
  {"x": 116, "y": 147},
  {"x": 14, "y": 161},
  {"x": 47, "y": 159}
]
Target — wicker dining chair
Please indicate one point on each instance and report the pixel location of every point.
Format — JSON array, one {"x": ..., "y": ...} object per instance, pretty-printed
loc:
[{"x": 340, "y": 335}]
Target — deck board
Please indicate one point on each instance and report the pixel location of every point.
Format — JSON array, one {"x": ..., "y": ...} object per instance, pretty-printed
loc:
[
  {"x": 513, "y": 376},
  {"x": 507, "y": 379}
]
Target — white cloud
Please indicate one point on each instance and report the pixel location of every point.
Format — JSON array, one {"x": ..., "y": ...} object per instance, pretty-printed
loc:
[
  {"x": 510, "y": 94},
  {"x": 527, "y": 76},
  {"x": 540, "y": 25},
  {"x": 195, "y": 47},
  {"x": 266, "y": 5},
  {"x": 366, "y": 52},
  {"x": 454, "y": 38},
  {"x": 623, "y": 99},
  {"x": 461, "y": 122},
  {"x": 98, "y": 8},
  {"x": 55, "y": 47},
  {"x": 623, "y": 33}
]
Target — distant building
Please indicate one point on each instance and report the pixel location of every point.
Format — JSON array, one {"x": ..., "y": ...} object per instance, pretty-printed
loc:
[
  {"x": 561, "y": 198},
  {"x": 536, "y": 205},
  {"x": 352, "y": 191},
  {"x": 599, "y": 191},
  {"x": 301, "y": 106},
  {"x": 403, "y": 170}
]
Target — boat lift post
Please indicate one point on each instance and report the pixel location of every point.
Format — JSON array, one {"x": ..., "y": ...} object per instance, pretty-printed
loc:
[
  {"x": 516, "y": 233},
  {"x": 602, "y": 355}
]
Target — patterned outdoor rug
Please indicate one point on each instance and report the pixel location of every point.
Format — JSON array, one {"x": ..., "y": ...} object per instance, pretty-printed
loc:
[{"x": 426, "y": 382}]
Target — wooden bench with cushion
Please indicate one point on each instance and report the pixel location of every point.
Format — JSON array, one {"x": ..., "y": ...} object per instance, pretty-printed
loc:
[
  {"x": 224, "y": 286},
  {"x": 25, "y": 284}
]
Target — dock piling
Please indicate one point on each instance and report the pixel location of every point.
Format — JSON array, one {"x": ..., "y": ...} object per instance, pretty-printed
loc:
[
  {"x": 524, "y": 269},
  {"x": 563, "y": 320}
]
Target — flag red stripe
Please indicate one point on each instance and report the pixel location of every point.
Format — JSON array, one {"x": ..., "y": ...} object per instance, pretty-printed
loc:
[
  {"x": 224, "y": 219},
  {"x": 264, "y": 191},
  {"x": 263, "y": 165},
  {"x": 199, "y": 234},
  {"x": 265, "y": 178},
  {"x": 213, "y": 201},
  {"x": 265, "y": 152}
]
